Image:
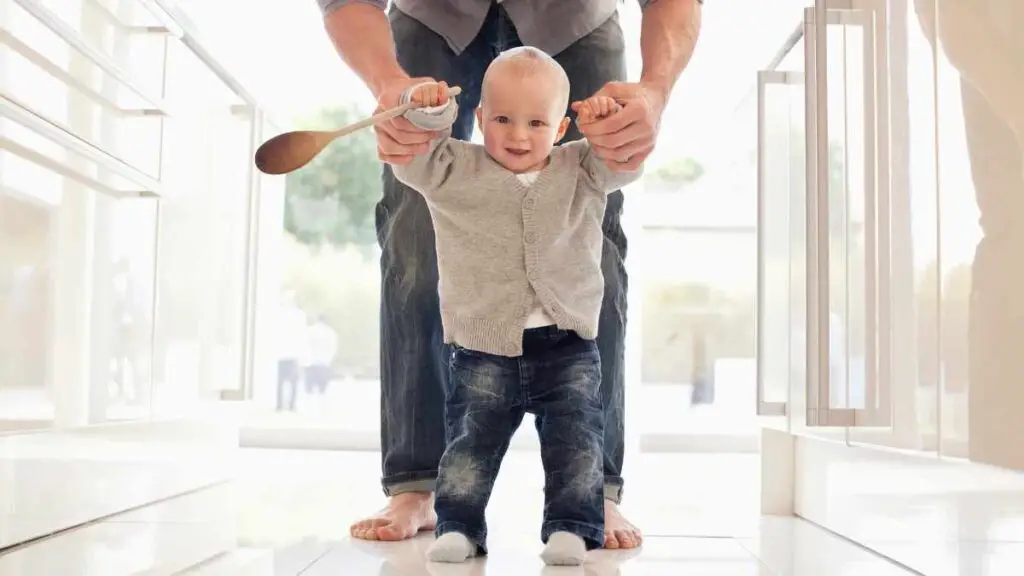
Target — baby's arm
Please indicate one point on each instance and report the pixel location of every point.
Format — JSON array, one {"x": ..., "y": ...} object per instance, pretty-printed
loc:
[
  {"x": 591, "y": 165},
  {"x": 427, "y": 173}
]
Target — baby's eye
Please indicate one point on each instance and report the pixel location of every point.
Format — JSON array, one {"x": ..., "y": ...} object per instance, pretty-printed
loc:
[
  {"x": 537, "y": 123},
  {"x": 502, "y": 119}
]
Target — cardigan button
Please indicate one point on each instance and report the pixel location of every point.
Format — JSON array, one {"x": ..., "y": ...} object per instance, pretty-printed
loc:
[
  {"x": 531, "y": 237},
  {"x": 529, "y": 202},
  {"x": 510, "y": 349}
]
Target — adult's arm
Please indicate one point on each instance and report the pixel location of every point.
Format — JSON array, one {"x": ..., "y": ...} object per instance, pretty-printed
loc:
[
  {"x": 985, "y": 58},
  {"x": 361, "y": 34},
  {"x": 668, "y": 36}
]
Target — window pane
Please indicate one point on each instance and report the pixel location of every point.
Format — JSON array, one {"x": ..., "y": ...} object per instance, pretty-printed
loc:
[
  {"x": 26, "y": 310},
  {"x": 203, "y": 254},
  {"x": 698, "y": 264}
]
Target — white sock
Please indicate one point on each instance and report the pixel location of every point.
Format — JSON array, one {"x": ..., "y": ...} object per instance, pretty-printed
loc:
[
  {"x": 564, "y": 549},
  {"x": 451, "y": 547}
]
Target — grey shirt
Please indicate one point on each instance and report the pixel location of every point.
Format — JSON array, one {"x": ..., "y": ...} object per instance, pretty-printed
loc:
[
  {"x": 550, "y": 25},
  {"x": 505, "y": 247}
]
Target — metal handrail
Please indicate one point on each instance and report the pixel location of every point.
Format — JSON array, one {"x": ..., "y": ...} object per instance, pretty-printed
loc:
[
  {"x": 110, "y": 18},
  {"x": 791, "y": 41},
  {"x": 54, "y": 165},
  {"x": 163, "y": 17},
  {"x": 58, "y": 72},
  {"x": 795, "y": 36},
  {"x": 193, "y": 40},
  {"x": 76, "y": 41},
  {"x": 21, "y": 114},
  {"x": 174, "y": 22}
]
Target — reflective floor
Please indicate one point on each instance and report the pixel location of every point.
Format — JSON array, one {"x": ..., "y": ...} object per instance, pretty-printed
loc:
[{"x": 288, "y": 512}]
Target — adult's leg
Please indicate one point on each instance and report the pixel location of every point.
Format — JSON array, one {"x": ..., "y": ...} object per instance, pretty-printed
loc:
[
  {"x": 287, "y": 384},
  {"x": 995, "y": 326},
  {"x": 282, "y": 380},
  {"x": 309, "y": 378},
  {"x": 317, "y": 377},
  {"x": 593, "y": 61},
  {"x": 413, "y": 357},
  {"x": 326, "y": 376}
]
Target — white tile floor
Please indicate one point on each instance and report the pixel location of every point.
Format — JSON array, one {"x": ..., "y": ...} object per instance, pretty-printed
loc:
[{"x": 288, "y": 512}]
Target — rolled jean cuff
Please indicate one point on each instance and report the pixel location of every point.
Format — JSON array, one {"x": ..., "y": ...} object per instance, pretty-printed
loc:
[
  {"x": 591, "y": 534},
  {"x": 410, "y": 482},
  {"x": 426, "y": 481},
  {"x": 613, "y": 489}
]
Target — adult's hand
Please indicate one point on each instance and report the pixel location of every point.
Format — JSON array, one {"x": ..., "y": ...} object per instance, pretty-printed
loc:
[
  {"x": 398, "y": 140},
  {"x": 625, "y": 139}
]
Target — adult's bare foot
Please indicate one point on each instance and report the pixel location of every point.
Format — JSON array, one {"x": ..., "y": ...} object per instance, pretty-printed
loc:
[
  {"x": 619, "y": 533},
  {"x": 404, "y": 516}
]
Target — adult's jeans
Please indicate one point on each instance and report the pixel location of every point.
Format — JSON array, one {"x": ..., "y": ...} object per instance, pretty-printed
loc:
[{"x": 414, "y": 358}]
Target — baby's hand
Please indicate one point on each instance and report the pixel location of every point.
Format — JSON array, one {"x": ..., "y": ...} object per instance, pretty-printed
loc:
[
  {"x": 430, "y": 94},
  {"x": 595, "y": 108}
]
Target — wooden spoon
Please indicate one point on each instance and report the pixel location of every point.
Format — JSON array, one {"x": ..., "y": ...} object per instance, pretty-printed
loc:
[{"x": 292, "y": 150}]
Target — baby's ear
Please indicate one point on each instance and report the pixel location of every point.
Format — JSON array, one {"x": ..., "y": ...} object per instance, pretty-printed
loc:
[{"x": 563, "y": 126}]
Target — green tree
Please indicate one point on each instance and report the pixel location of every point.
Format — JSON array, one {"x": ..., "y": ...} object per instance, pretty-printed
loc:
[
  {"x": 837, "y": 189},
  {"x": 332, "y": 199},
  {"x": 836, "y": 179},
  {"x": 680, "y": 171}
]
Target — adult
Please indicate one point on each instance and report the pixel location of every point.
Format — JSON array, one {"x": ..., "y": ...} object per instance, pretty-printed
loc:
[
  {"x": 454, "y": 41},
  {"x": 322, "y": 342},
  {"x": 291, "y": 334},
  {"x": 981, "y": 41}
]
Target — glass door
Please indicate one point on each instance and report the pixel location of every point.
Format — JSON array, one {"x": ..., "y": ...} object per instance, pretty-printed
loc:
[
  {"x": 703, "y": 310},
  {"x": 847, "y": 217},
  {"x": 781, "y": 289},
  {"x": 823, "y": 226},
  {"x": 697, "y": 314}
]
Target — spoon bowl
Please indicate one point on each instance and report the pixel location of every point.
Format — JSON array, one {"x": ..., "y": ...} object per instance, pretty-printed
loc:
[{"x": 290, "y": 151}]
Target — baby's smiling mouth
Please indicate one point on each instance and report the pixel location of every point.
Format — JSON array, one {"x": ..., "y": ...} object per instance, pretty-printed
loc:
[{"x": 517, "y": 151}]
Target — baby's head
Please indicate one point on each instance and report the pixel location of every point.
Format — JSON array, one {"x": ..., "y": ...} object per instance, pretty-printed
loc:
[{"x": 523, "y": 103}]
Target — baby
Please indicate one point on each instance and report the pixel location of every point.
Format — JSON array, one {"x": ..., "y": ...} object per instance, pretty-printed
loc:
[{"x": 519, "y": 240}]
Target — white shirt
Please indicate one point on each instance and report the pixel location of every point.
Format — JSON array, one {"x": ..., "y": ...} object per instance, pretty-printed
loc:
[
  {"x": 323, "y": 343},
  {"x": 291, "y": 333}
]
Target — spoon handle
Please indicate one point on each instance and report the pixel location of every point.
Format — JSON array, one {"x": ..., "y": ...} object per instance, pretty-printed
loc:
[{"x": 385, "y": 115}]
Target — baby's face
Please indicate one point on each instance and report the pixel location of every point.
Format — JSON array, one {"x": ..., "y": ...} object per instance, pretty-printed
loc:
[{"x": 522, "y": 118}]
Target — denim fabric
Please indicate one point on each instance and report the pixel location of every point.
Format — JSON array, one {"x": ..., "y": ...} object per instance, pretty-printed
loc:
[
  {"x": 558, "y": 379},
  {"x": 287, "y": 384},
  {"x": 414, "y": 358}
]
